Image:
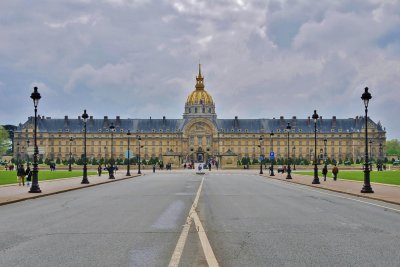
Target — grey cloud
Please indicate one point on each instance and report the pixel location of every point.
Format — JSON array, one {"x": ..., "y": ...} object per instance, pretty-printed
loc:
[{"x": 260, "y": 58}]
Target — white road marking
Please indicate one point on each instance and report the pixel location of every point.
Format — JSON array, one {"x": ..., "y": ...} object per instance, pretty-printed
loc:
[
  {"x": 337, "y": 195},
  {"x": 208, "y": 252}
]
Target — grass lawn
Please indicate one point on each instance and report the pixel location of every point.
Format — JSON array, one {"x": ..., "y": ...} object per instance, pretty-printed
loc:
[
  {"x": 384, "y": 177},
  {"x": 10, "y": 177}
]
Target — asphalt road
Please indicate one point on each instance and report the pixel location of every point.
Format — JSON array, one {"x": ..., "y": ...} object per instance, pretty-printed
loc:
[{"x": 249, "y": 221}]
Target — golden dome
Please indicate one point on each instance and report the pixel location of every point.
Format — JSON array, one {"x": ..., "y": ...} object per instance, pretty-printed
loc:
[{"x": 199, "y": 95}]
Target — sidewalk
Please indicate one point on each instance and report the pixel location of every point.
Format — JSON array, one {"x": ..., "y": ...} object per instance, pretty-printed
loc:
[
  {"x": 386, "y": 193},
  {"x": 14, "y": 193}
]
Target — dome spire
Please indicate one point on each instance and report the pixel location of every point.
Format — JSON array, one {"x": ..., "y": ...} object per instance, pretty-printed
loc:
[{"x": 199, "y": 80}]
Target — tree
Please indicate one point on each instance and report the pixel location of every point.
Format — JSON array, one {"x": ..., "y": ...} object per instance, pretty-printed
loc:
[
  {"x": 4, "y": 141},
  {"x": 393, "y": 147}
]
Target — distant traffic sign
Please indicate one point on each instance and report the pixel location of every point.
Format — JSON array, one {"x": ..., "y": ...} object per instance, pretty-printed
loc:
[{"x": 271, "y": 155}]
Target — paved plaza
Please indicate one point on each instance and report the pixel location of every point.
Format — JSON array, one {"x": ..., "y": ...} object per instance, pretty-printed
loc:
[
  {"x": 179, "y": 218},
  {"x": 14, "y": 193}
]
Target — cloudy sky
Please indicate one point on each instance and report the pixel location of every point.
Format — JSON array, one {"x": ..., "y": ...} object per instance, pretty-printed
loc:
[{"x": 260, "y": 59}]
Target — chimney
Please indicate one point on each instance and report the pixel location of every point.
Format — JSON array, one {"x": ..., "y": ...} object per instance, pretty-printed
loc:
[
  {"x": 163, "y": 119},
  {"x": 91, "y": 121},
  {"x": 105, "y": 122},
  {"x": 66, "y": 122},
  {"x": 282, "y": 122},
  {"x": 118, "y": 121},
  {"x": 236, "y": 122},
  {"x": 308, "y": 121},
  {"x": 294, "y": 121},
  {"x": 334, "y": 122}
]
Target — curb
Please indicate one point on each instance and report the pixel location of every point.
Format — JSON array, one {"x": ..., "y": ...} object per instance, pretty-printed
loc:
[
  {"x": 334, "y": 190},
  {"x": 65, "y": 190}
]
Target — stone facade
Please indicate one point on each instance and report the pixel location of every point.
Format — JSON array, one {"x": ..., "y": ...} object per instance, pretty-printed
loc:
[{"x": 199, "y": 136}]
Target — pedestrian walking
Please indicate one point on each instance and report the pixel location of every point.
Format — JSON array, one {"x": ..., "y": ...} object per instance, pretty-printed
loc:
[
  {"x": 154, "y": 168},
  {"x": 325, "y": 171},
  {"x": 99, "y": 170},
  {"x": 21, "y": 175},
  {"x": 28, "y": 174},
  {"x": 209, "y": 166},
  {"x": 335, "y": 171}
]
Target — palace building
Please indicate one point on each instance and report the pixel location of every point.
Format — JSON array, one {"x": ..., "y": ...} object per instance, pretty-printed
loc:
[{"x": 199, "y": 136}]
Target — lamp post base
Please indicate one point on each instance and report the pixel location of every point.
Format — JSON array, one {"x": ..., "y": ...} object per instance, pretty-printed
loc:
[
  {"x": 367, "y": 189},
  {"x": 316, "y": 178},
  {"x": 111, "y": 176},
  {"x": 289, "y": 171},
  {"x": 35, "y": 189},
  {"x": 85, "y": 180},
  {"x": 128, "y": 174},
  {"x": 316, "y": 181}
]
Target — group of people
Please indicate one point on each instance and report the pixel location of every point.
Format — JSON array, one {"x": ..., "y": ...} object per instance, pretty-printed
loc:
[
  {"x": 110, "y": 168},
  {"x": 9, "y": 167},
  {"x": 52, "y": 167},
  {"x": 335, "y": 171},
  {"x": 210, "y": 163},
  {"x": 21, "y": 173},
  {"x": 380, "y": 167}
]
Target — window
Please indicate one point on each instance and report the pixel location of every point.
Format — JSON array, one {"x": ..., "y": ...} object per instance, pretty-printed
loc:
[{"x": 195, "y": 110}]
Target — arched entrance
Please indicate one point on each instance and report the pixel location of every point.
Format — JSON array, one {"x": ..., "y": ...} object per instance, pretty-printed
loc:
[{"x": 200, "y": 134}]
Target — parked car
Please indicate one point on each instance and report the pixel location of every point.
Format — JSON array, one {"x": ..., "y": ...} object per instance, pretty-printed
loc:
[{"x": 396, "y": 162}]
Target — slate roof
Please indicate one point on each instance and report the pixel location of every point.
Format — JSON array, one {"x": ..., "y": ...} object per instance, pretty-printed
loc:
[{"x": 223, "y": 125}]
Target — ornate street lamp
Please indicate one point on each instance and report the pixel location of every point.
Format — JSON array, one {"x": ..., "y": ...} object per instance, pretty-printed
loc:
[
  {"x": 370, "y": 150},
  {"x": 17, "y": 153},
  {"x": 325, "y": 152},
  {"x": 35, "y": 182},
  {"x": 261, "y": 140},
  {"x": 366, "y": 96},
  {"x": 105, "y": 156},
  {"x": 294, "y": 157},
  {"x": 27, "y": 152},
  {"x": 111, "y": 173},
  {"x": 315, "y": 118},
  {"x": 272, "y": 150},
  {"x": 128, "y": 169},
  {"x": 139, "y": 139},
  {"x": 85, "y": 180},
  {"x": 289, "y": 176},
  {"x": 70, "y": 154}
]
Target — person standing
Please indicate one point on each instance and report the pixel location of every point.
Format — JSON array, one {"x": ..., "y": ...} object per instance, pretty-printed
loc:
[
  {"x": 209, "y": 166},
  {"x": 335, "y": 172},
  {"x": 99, "y": 170},
  {"x": 28, "y": 174},
  {"x": 21, "y": 175},
  {"x": 325, "y": 171}
]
